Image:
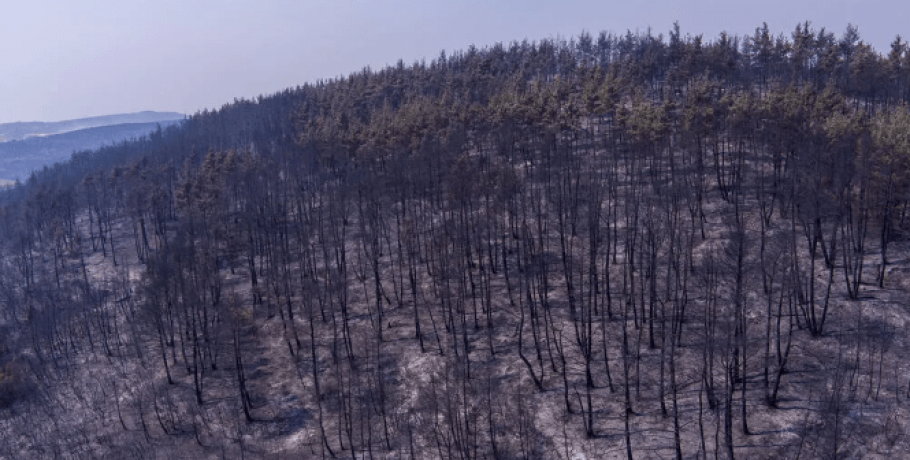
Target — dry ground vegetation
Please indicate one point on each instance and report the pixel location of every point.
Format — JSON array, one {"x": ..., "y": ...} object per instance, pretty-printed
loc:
[
  {"x": 532, "y": 342},
  {"x": 610, "y": 255}
]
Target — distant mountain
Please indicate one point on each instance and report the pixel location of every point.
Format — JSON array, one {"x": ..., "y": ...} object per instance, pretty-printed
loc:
[
  {"x": 19, "y": 157},
  {"x": 25, "y": 130}
]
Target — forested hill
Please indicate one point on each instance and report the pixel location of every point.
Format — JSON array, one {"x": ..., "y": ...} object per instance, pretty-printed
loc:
[{"x": 617, "y": 245}]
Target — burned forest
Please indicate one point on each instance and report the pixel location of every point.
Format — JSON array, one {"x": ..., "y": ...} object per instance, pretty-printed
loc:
[{"x": 610, "y": 246}]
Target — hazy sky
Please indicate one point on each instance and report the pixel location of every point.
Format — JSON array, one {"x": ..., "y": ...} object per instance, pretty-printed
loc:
[{"x": 70, "y": 59}]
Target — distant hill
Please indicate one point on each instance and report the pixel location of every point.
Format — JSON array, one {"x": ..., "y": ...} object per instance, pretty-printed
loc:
[
  {"x": 25, "y": 130},
  {"x": 19, "y": 157}
]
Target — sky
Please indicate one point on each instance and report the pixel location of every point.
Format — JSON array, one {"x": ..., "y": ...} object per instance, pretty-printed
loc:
[{"x": 65, "y": 59}]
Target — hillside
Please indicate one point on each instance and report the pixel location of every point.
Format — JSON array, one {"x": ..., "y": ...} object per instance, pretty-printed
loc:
[
  {"x": 609, "y": 247},
  {"x": 19, "y": 158}
]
